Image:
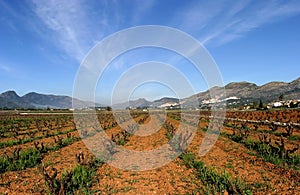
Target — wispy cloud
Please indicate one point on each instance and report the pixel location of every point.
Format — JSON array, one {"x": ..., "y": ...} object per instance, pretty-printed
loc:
[
  {"x": 222, "y": 22},
  {"x": 12, "y": 14},
  {"x": 5, "y": 68},
  {"x": 74, "y": 29},
  {"x": 198, "y": 16},
  {"x": 77, "y": 26},
  {"x": 141, "y": 8}
]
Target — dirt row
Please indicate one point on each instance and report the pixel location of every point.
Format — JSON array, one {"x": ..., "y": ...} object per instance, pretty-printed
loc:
[{"x": 172, "y": 178}]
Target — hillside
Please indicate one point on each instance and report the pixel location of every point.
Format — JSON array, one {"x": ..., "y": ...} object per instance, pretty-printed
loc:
[
  {"x": 12, "y": 100},
  {"x": 243, "y": 92},
  {"x": 240, "y": 92},
  {"x": 139, "y": 103}
]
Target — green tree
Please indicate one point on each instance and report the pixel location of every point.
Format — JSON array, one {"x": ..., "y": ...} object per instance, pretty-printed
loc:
[
  {"x": 293, "y": 105},
  {"x": 254, "y": 105},
  {"x": 261, "y": 105},
  {"x": 281, "y": 97}
]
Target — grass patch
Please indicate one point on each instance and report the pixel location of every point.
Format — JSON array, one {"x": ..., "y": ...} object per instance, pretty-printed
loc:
[
  {"x": 24, "y": 159},
  {"x": 214, "y": 181},
  {"x": 294, "y": 138},
  {"x": 29, "y": 157},
  {"x": 28, "y": 139},
  {"x": 271, "y": 153},
  {"x": 79, "y": 180}
]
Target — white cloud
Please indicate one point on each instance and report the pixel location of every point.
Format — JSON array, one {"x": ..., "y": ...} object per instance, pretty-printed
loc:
[
  {"x": 72, "y": 25},
  {"x": 196, "y": 17},
  {"x": 77, "y": 26},
  {"x": 222, "y": 22}
]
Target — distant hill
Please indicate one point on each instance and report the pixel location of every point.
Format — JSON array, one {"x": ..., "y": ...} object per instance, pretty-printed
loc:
[
  {"x": 238, "y": 92},
  {"x": 164, "y": 102},
  {"x": 139, "y": 103},
  {"x": 243, "y": 92},
  {"x": 12, "y": 100},
  {"x": 143, "y": 103}
]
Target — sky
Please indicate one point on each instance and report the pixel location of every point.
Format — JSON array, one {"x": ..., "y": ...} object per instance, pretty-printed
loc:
[{"x": 44, "y": 43}]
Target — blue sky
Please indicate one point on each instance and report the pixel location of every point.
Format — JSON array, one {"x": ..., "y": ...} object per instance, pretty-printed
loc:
[{"x": 42, "y": 43}]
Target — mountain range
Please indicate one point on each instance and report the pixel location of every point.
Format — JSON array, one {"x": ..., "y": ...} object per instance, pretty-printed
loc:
[
  {"x": 11, "y": 100},
  {"x": 241, "y": 93},
  {"x": 238, "y": 92},
  {"x": 143, "y": 103}
]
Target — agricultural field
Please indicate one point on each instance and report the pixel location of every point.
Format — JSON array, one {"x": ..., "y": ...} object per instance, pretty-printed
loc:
[{"x": 257, "y": 152}]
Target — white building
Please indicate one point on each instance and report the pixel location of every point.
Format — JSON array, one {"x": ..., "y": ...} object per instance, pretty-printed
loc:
[{"x": 277, "y": 104}]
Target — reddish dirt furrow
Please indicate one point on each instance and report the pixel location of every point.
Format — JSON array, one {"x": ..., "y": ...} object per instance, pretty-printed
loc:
[
  {"x": 172, "y": 178},
  {"x": 31, "y": 180},
  {"x": 236, "y": 159},
  {"x": 45, "y": 141}
]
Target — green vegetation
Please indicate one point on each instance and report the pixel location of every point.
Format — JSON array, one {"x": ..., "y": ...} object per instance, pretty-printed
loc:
[
  {"x": 121, "y": 138},
  {"x": 22, "y": 159},
  {"x": 76, "y": 181},
  {"x": 29, "y": 139},
  {"x": 272, "y": 146},
  {"x": 278, "y": 154},
  {"x": 214, "y": 181}
]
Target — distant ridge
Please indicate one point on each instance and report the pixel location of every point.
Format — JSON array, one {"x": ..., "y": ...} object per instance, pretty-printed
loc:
[
  {"x": 247, "y": 92},
  {"x": 11, "y": 100},
  {"x": 139, "y": 103},
  {"x": 241, "y": 92}
]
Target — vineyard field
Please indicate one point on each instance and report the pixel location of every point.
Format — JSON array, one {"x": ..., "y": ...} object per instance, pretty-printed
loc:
[{"x": 257, "y": 152}]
